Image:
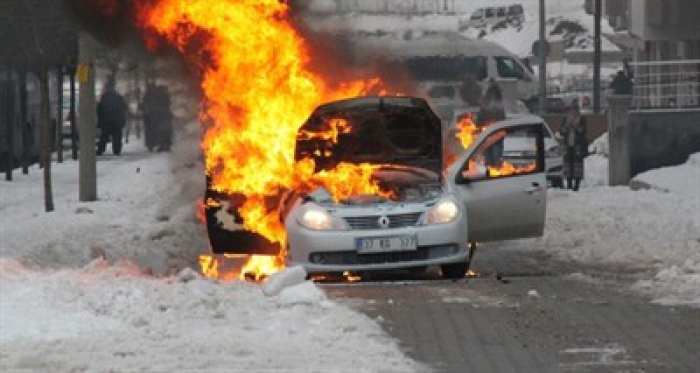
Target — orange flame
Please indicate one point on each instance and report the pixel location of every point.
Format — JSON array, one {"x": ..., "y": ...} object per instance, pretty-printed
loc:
[
  {"x": 467, "y": 130},
  {"x": 258, "y": 90}
]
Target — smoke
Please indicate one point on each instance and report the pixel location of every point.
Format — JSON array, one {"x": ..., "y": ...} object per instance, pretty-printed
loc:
[
  {"x": 339, "y": 57},
  {"x": 109, "y": 21}
]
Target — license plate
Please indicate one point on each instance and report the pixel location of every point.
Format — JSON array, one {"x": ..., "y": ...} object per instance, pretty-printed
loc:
[{"x": 371, "y": 245}]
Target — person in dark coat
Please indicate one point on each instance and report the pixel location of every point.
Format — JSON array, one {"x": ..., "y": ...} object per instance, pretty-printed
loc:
[
  {"x": 470, "y": 90},
  {"x": 157, "y": 118},
  {"x": 622, "y": 84},
  {"x": 111, "y": 119},
  {"x": 573, "y": 135},
  {"x": 491, "y": 105}
]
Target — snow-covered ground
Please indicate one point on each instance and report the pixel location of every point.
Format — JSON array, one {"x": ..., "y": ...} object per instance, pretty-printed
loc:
[
  {"x": 516, "y": 39},
  {"x": 105, "y": 285},
  {"x": 655, "y": 229}
]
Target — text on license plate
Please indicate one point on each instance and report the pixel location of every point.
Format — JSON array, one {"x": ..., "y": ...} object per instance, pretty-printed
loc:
[{"x": 386, "y": 244}]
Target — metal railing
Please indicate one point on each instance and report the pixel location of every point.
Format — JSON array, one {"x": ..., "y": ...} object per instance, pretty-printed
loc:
[{"x": 666, "y": 85}]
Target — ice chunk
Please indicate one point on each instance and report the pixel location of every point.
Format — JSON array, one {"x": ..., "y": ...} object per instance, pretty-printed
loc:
[{"x": 283, "y": 279}]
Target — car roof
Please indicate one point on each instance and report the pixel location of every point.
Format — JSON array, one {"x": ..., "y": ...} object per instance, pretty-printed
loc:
[
  {"x": 448, "y": 45},
  {"x": 439, "y": 44},
  {"x": 369, "y": 101}
]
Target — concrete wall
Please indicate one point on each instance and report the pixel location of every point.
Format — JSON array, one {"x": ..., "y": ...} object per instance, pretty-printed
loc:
[
  {"x": 663, "y": 139},
  {"x": 654, "y": 20}
]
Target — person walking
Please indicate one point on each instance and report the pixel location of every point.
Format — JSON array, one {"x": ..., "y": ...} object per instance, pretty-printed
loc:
[
  {"x": 157, "y": 117},
  {"x": 111, "y": 118},
  {"x": 573, "y": 134}
]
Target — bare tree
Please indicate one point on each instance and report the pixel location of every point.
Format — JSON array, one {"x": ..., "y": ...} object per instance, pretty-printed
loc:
[{"x": 38, "y": 35}]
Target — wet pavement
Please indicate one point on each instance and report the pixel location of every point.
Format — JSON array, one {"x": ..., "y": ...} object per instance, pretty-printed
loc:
[{"x": 526, "y": 312}]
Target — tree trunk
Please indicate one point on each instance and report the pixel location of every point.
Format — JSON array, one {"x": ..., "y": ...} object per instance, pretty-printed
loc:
[
  {"x": 10, "y": 123},
  {"x": 72, "y": 115},
  {"x": 46, "y": 131},
  {"x": 24, "y": 121},
  {"x": 59, "y": 115}
]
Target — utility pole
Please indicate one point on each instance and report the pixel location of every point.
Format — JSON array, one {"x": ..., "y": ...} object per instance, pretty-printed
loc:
[
  {"x": 597, "y": 56},
  {"x": 543, "y": 59},
  {"x": 87, "y": 124}
]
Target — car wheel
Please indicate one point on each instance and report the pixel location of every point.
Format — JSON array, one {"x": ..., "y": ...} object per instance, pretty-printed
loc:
[{"x": 454, "y": 271}]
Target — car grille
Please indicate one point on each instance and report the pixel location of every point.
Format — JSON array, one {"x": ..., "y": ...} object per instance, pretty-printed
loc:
[
  {"x": 372, "y": 222},
  {"x": 353, "y": 258}
]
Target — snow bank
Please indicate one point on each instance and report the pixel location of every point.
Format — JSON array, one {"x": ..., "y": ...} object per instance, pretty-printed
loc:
[
  {"x": 655, "y": 229},
  {"x": 108, "y": 285},
  {"x": 103, "y": 318}
]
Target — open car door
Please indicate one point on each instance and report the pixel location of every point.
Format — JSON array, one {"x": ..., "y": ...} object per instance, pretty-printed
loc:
[
  {"x": 225, "y": 227},
  {"x": 504, "y": 196}
]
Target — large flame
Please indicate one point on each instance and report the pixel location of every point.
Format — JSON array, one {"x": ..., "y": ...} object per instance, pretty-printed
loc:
[
  {"x": 258, "y": 90},
  {"x": 466, "y": 133}
]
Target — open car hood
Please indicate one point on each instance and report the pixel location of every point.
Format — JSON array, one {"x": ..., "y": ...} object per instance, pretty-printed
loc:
[{"x": 378, "y": 130}]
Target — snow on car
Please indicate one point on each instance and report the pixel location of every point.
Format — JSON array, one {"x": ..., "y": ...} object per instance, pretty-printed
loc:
[{"x": 424, "y": 214}]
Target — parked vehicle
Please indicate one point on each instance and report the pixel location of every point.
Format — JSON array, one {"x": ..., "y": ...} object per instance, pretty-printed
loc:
[
  {"x": 433, "y": 216},
  {"x": 493, "y": 15},
  {"x": 440, "y": 63}
]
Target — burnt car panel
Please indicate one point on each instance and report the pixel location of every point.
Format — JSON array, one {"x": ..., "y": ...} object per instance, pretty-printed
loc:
[{"x": 377, "y": 130}]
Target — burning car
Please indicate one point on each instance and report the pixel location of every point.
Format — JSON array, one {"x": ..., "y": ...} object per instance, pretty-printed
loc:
[{"x": 419, "y": 212}]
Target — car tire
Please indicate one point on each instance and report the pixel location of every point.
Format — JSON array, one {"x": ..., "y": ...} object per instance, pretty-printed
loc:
[{"x": 454, "y": 271}]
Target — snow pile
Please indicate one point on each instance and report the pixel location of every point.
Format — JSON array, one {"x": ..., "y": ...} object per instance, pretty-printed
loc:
[
  {"x": 683, "y": 179},
  {"x": 102, "y": 318},
  {"x": 108, "y": 285},
  {"x": 655, "y": 229},
  {"x": 566, "y": 20}
]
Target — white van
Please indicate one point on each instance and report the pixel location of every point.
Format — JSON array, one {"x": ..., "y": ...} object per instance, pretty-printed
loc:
[
  {"x": 439, "y": 64},
  {"x": 493, "y": 15}
]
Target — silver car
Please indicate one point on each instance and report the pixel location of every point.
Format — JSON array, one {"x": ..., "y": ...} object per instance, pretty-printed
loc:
[{"x": 434, "y": 216}]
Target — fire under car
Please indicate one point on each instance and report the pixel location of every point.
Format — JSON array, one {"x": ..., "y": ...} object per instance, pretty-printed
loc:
[{"x": 430, "y": 215}]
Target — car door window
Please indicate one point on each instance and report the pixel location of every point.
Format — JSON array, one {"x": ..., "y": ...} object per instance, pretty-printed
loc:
[
  {"x": 509, "y": 68},
  {"x": 510, "y": 152}
]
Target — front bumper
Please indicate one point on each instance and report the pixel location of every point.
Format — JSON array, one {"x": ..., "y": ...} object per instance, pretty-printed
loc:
[{"x": 335, "y": 251}]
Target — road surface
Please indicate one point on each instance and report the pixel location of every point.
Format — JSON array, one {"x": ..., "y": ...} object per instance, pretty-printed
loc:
[{"x": 526, "y": 312}]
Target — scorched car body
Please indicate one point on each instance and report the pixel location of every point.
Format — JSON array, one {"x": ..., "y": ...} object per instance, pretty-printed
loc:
[{"x": 433, "y": 214}]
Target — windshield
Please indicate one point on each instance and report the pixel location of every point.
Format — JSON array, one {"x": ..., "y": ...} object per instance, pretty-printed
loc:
[{"x": 446, "y": 68}]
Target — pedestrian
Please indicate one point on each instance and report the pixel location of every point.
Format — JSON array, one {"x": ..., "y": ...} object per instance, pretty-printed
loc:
[
  {"x": 491, "y": 105},
  {"x": 573, "y": 134},
  {"x": 622, "y": 84},
  {"x": 157, "y": 118},
  {"x": 111, "y": 118},
  {"x": 470, "y": 90}
]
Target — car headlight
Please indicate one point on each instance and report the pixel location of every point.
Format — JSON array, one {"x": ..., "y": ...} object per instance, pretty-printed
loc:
[
  {"x": 320, "y": 220},
  {"x": 443, "y": 212}
]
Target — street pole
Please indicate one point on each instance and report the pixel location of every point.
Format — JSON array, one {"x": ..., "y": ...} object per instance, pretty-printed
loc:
[
  {"x": 597, "y": 56},
  {"x": 87, "y": 124},
  {"x": 543, "y": 59}
]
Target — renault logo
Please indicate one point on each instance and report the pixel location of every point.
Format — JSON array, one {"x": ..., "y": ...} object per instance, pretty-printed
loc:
[{"x": 384, "y": 222}]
